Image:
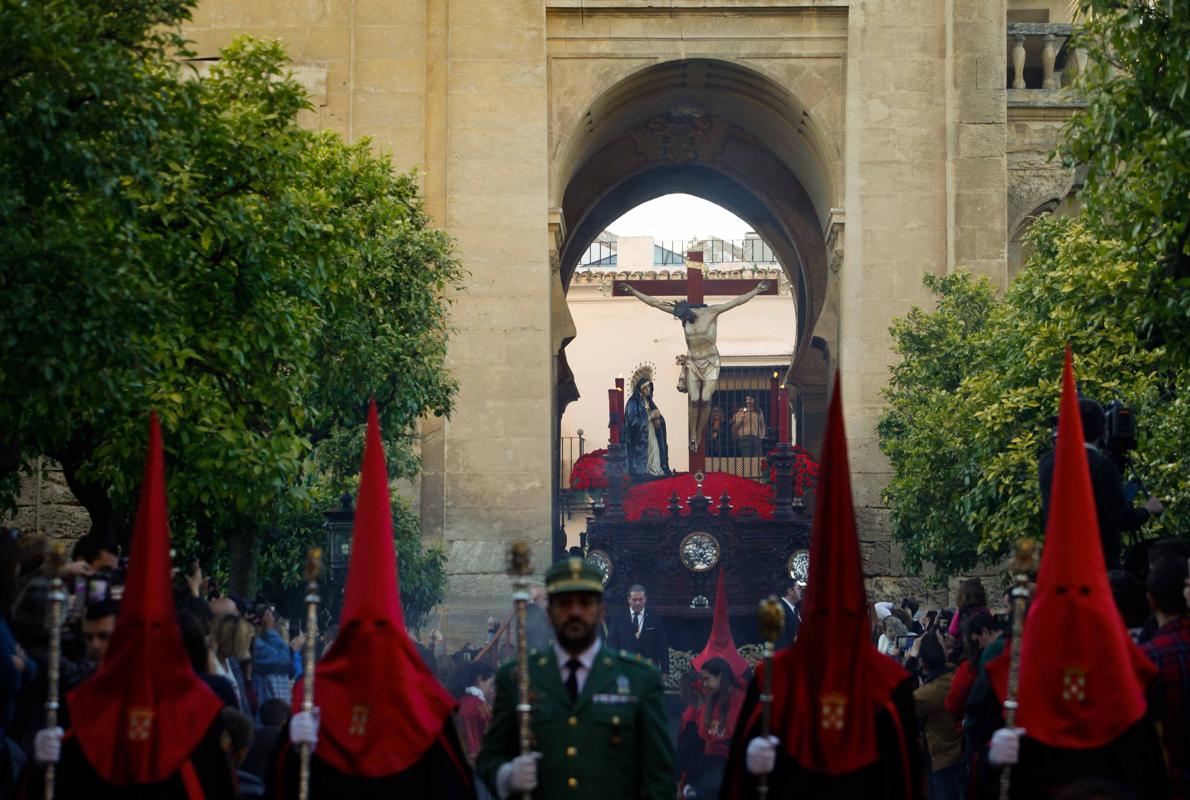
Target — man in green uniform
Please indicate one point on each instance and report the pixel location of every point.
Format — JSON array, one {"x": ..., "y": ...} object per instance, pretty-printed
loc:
[{"x": 598, "y": 716}]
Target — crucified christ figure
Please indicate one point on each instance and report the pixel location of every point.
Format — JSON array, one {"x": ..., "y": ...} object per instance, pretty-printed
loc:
[{"x": 702, "y": 360}]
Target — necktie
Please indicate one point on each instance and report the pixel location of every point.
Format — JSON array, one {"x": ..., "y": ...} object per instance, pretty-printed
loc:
[
  {"x": 636, "y": 621},
  {"x": 572, "y": 681}
]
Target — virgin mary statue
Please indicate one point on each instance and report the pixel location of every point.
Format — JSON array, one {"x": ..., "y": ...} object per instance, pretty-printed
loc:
[{"x": 648, "y": 453}]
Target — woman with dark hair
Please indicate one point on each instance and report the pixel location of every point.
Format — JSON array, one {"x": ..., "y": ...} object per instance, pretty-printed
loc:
[
  {"x": 644, "y": 429},
  {"x": 688, "y": 758},
  {"x": 972, "y": 600},
  {"x": 473, "y": 684},
  {"x": 723, "y": 696}
]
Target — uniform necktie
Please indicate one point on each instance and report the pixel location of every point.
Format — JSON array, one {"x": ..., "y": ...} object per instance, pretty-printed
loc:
[
  {"x": 572, "y": 681},
  {"x": 636, "y": 621}
]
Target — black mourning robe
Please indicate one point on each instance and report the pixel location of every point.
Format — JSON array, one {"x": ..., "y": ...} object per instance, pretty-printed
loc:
[
  {"x": 895, "y": 775},
  {"x": 442, "y": 773},
  {"x": 1135, "y": 760},
  {"x": 76, "y": 778}
]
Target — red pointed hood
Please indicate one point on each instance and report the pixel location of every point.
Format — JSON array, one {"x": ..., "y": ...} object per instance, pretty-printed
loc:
[
  {"x": 381, "y": 706},
  {"x": 142, "y": 714},
  {"x": 831, "y": 683},
  {"x": 721, "y": 644},
  {"x": 1082, "y": 680}
]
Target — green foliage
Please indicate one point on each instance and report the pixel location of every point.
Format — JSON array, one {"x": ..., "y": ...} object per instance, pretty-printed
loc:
[
  {"x": 178, "y": 242},
  {"x": 969, "y": 405},
  {"x": 1135, "y": 140},
  {"x": 422, "y": 570}
]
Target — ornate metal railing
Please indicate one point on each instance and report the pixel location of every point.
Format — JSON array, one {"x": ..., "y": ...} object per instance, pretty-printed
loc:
[{"x": 750, "y": 250}]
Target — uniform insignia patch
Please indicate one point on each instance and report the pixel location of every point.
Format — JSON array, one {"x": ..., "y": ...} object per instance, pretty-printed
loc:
[
  {"x": 1074, "y": 685},
  {"x": 622, "y": 685},
  {"x": 140, "y": 724},
  {"x": 834, "y": 711},
  {"x": 359, "y": 721}
]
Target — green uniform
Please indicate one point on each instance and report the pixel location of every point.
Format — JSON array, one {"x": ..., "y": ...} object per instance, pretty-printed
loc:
[{"x": 612, "y": 742}]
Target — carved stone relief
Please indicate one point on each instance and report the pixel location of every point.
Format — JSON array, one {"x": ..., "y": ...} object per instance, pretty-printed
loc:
[{"x": 680, "y": 136}]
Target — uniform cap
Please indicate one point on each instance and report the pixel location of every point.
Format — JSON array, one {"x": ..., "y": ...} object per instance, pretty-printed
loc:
[{"x": 574, "y": 575}]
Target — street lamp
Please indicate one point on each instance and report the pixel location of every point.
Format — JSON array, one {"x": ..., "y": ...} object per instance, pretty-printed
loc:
[{"x": 338, "y": 523}]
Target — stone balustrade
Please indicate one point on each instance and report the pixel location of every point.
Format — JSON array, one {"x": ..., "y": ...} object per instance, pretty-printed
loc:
[{"x": 1039, "y": 58}]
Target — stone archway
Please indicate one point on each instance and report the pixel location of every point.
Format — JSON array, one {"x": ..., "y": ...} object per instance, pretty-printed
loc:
[
  {"x": 722, "y": 132},
  {"x": 717, "y": 130}
]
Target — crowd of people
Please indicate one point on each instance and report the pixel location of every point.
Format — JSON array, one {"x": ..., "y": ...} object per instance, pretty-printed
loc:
[
  {"x": 176, "y": 690},
  {"x": 242, "y": 651}
]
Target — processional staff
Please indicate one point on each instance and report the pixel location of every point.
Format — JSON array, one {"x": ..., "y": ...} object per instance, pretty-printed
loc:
[
  {"x": 519, "y": 567},
  {"x": 772, "y": 621},
  {"x": 57, "y": 560},
  {"x": 1024, "y": 564},
  {"x": 313, "y": 573}
]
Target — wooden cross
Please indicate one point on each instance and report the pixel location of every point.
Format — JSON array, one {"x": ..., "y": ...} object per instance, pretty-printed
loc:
[{"x": 694, "y": 288}]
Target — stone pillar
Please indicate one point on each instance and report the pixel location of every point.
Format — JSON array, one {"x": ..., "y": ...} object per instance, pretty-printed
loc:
[
  {"x": 496, "y": 484},
  {"x": 896, "y": 185},
  {"x": 977, "y": 163}
]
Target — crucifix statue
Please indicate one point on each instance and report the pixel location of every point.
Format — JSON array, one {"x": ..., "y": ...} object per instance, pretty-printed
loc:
[{"x": 699, "y": 323}]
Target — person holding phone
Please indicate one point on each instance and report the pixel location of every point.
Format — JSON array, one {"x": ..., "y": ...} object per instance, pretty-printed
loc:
[
  {"x": 748, "y": 426},
  {"x": 272, "y": 658}
]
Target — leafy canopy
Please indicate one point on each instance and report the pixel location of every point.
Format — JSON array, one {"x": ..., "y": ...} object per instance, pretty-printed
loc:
[
  {"x": 969, "y": 405},
  {"x": 176, "y": 241}
]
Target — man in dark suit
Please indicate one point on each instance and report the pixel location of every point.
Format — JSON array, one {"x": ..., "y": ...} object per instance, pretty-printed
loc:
[
  {"x": 1114, "y": 511},
  {"x": 791, "y": 604},
  {"x": 639, "y": 631}
]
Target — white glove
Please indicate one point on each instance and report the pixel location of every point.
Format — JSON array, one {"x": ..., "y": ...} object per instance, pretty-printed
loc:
[
  {"x": 47, "y": 746},
  {"x": 761, "y": 755},
  {"x": 303, "y": 728},
  {"x": 518, "y": 775},
  {"x": 1005, "y": 748}
]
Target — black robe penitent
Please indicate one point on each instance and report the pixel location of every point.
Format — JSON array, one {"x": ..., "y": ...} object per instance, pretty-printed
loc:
[
  {"x": 1135, "y": 760},
  {"x": 441, "y": 774},
  {"x": 885, "y": 779},
  {"x": 76, "y": 779}
]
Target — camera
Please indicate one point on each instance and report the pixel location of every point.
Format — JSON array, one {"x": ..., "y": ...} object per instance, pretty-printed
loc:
[{"x": 1119, "y": 429}]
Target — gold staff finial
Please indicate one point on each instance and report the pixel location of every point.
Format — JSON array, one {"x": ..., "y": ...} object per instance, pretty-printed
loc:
[
  {"x": 772, "y": 618},
  {"x": 314, "y": 565}
]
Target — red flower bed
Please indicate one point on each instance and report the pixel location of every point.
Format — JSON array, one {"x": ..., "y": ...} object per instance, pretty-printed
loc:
[
  {"x": 742, "y": 491},
  {"x": 589, "y": 471},
  {"x": 805, "y": 471}
]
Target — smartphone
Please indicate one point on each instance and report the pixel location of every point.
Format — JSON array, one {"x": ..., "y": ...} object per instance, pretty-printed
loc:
[{"x": 97, "y": 590}]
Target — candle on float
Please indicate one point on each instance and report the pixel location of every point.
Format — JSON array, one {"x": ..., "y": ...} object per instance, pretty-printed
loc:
[
  {"x": 773, "y": 407},
  {"x": 620, "y": 392},
  {"x": 613, "y": 409},
  {"x": 783, "y": 410}
]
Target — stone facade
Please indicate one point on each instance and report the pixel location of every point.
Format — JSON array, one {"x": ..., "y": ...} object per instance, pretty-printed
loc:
[{"x": 868, "y": 142}]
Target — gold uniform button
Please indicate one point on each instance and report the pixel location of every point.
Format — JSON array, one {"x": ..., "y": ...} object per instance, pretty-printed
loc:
[
  {"x": 572, "y": 721},
  {"x": 572, "y": 782},
  {"x": 572, "y": 751}
]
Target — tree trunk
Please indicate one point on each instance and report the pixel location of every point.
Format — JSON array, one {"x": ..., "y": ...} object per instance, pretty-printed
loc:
[
  {"x": 106, "y": 523},
  {"x": 243, "y": 553}
]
